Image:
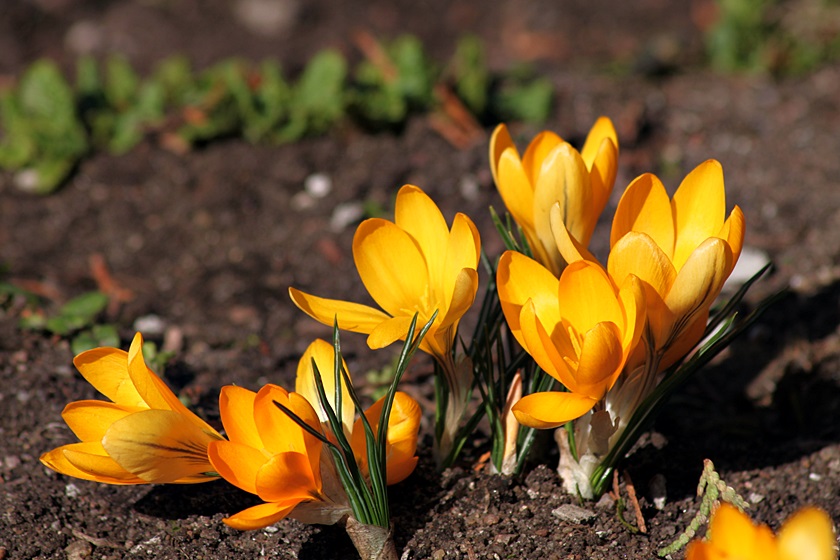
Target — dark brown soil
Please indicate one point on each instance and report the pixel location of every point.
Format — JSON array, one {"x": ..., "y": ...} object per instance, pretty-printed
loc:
[{"x": 210, "y": 241}]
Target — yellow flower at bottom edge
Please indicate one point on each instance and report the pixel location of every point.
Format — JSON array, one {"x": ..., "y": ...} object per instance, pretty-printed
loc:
[
  {"x": 145, "y": 435},
  {"x": 580, "y": 329},
  {"x": 807, "y": 535}
]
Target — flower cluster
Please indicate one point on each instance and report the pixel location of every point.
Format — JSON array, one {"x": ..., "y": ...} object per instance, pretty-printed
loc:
[{"x": 563, "y": 341}]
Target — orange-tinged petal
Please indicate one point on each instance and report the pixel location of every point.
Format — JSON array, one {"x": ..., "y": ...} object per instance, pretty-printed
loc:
[
  {"x": 807, "y": 535},
  {"x": 353, "y": 317},
  {"x": 600, "y": 153},
  {"x": 734, "y": 533},
  {"x": 418, "y": 215},
  {"x": 287, "y": 478},
  {"x": 323, "y": 353},
  {"x": 278, "y": 432},
  {"x": 588, "y": 296},
  {"x": 236, "y": 407},
  {"x": 549, "y": 352},
  {"x": 403, "y": 428},
  {"x": 563, "y": 180},
  {"x": 107, "y": 370},
  {"x": 631, "y": 294},
  {"x": 687, "y": 339},
  {"x": 699, "y": 207},
  {"x": 90, "y": 455},
  {"x": 259, "y": 516},
  {"x": 519, "y": 279},
  {"x": 536, "y": 153},
  {"x": 89, "y": 420},
  {"x": 638, "y": 254},
  {"x": 551, "y": 409},
  {"x": 91, "y": 460},
  {"x": 237, "y": 463},
  {"x": 391, "y": 265},
  {"x": 500, "y": 141},
  {"x": 159, "y": 446},
  {"x": 601, "y": 359},
  {"x": 645, "y": 207}
]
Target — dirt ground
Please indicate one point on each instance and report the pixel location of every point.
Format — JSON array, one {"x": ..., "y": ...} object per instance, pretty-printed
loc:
[{"x": 209, "y": 242}]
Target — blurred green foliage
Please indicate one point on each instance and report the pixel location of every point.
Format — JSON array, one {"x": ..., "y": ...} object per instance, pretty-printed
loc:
[
  {"x": 48, "y": 125},
  {"x": 778, "y": 36}
]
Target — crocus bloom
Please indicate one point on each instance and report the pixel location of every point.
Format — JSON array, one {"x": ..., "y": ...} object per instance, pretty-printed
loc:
[
  {"x": 144, "y": 435},
  {"x": 551, "y": 173},
  {"x": 580, "y": 329},
  {"x": 413, "y": 265},
  {"x": 683, "y": 249},
  {"x": 807, "y": 535},
  {"x": 290, "y": 469}
]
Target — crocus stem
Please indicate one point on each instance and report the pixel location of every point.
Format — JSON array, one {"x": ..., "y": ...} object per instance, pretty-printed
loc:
[{"x": 371, "y": 541}]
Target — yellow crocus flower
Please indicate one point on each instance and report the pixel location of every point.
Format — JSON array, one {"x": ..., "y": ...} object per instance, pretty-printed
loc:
[
  {"x": 288, "y": 468},
  {"x": 807, "y": 535},
  {"x": 683, "y": 249},
  {"x": 580, "y": 329},
  {"x": 144, "y": 435},
  {"x": 552, "y": 172},
  {"x": 414, "y": 264}
]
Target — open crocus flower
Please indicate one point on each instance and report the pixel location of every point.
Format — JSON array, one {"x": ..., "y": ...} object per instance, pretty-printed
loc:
[
  {"x": 579, "y": 329},
  {"x": 292, "y": 470},
  {"x": 144, "y": 435},
  {"x": 413, "y": 265},
  {"x": 552, "y": 173},
  {"x": 683, "y": 249},
  {"x": 807, "y": 535}
]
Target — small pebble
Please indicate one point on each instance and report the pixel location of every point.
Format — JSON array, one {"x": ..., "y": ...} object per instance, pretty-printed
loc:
[
  {"x": 78, "y": 550},
  {"x": 345, "y": 214},
  {"x": 658, "y": 492},
  {"x": 149, "y": 325},
  {"x": 755, "y": 498},
  {"x": 71, "y": 490},
  {"x": 815, "y": 477},
  {"x": 318, "y": 185},
  {"x": 573, "y": 514}
]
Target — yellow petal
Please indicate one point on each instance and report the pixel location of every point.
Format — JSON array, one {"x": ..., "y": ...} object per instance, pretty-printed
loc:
[
  {"x": 537, "y": 152},
  {"x": 687, "y": 339},
  {"x": 551, "y": 409},
  {"x": 236, "y": 407},
  {"x": 159, "y": 446},
  {"x": 401, "y": 446},
  {"x": 645, "y": 207},
  {"x": 463, "y": 251},
  {"x": 733, "y": 233},
  {"x": 699, "y": 207},
  {"x": 571, "y": 250},
  {"x": 416, "y": 214},
  {"x": 602, "y": 130},
  {"x": 638, "y": 254},
  {"x": 515, "y": 188},
  {"x": 601, "y": 360},
  {"x": 107, "y": 370},
  {"x": 734, "y": 534},
  {"x": 631, "y": 294},
  {"x": 391, "y": 266},
  {"x": 807, "y": 535},
  {"x": 237, "y": 463},
  {"x": 519, "y": 279},
  {"x": 563, "y": 180},
  {"x": 89, "y": 420},
  {"x": 259, "y": 516},
  {"x": 278, "y": 432},
  {"x": 588, "y": 296},
  {"x": 286, "y": 478},
  {"x": 90, "y": 463},
  {"x": 600, "y": 153},
  {"x": 500, "y": 141},
  {"x": 389, "y": 331},
  {"x": 323, "y": 353},
  {"x": 698, "y": 282},
  {"x": 463, "y": 296},
  {"x": 353, "y": 317}
]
